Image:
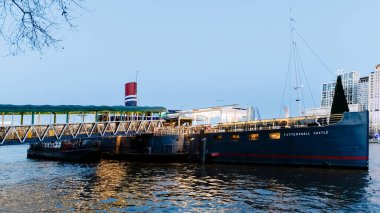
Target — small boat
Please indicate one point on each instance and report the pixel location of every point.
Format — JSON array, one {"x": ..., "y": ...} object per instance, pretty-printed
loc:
[{"x": 74, "y": 151}]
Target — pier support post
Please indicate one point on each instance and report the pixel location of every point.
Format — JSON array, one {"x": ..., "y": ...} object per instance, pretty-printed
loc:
[
  {"x": 117, "y": 145},
  {"x": 67, "y": 118},
  {"x": 203, "y": 150},
  {"x": 203, "y": 156}
]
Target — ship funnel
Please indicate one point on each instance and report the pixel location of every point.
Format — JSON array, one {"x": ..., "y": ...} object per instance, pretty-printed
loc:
[{"x": 130, "y": 94}]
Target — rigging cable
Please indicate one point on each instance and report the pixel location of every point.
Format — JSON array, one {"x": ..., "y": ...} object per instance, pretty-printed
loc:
[
  {"x": 300, "y": 79},
  {"x": 315, "y": 54},
  {"x": 286, "y": 78},
  {"x": 307, "y": 81}
]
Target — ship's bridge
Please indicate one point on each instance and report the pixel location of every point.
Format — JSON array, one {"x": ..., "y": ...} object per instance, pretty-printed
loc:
[{"x": 46, "y": 123}]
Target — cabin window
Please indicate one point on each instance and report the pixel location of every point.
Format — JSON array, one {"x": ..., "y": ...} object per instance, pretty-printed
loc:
[
  {"x": 235, "y": 137},
  {"x": 253, "y": 136},
  {"x": 218, "y": 138},
  {"x": 274, "y": 135}
]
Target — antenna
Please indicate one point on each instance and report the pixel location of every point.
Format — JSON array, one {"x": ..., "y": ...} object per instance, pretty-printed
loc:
[
  {"x": 291, "y": 19},
  {"x": 137, "y": 73}
]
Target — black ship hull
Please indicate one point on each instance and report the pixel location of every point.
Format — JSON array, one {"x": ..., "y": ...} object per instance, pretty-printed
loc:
[{"x": 344, "y": 144}]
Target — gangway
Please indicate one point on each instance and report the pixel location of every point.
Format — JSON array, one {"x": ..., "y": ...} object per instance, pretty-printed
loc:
[{"x": 47, "y": 123}]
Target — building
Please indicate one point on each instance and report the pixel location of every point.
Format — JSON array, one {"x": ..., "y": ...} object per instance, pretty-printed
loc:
[
  {"x": 374, "y": 100},
  {"x": 327, "y": 94},
  {"x": 362, "y": 94},
  {"x": 350, "y": 81}
]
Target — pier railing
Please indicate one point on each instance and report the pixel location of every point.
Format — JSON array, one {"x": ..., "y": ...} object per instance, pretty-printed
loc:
[{"x": 54, "y": 132}]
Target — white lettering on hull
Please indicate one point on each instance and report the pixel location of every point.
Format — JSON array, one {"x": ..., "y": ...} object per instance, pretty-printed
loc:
[{"x": 295, "y": 134}]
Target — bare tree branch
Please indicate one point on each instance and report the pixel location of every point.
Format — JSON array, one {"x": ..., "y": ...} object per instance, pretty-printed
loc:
[{"x": 33, "y": 23}]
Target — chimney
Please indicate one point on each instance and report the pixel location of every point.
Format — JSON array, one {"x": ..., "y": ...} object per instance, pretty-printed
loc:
[{"x": 130, "y": 94}]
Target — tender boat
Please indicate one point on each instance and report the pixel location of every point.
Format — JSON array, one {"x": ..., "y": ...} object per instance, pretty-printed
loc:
[{"x": 75, "y": 151}]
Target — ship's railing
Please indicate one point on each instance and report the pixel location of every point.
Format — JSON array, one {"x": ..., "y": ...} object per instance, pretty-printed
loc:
[
  {"x": 69, "y": 131},
  {"x": 298, "y": 122},
  {"x": 269, "y": 124},
  {"x": 176, "y": 130}
]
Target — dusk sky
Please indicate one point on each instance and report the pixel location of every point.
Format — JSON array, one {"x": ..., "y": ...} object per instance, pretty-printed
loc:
[{"x": 192, "y": 53}]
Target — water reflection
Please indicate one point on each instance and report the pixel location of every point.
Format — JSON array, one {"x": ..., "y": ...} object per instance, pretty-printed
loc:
[
  {"x": 115, "y": 186},
  {"x": 143, "y": 187}
]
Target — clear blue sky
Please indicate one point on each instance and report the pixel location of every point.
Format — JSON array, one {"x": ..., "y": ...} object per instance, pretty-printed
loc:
[{"x": 192, "y": 53}]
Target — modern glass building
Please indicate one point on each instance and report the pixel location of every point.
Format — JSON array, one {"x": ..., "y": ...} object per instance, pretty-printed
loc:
[
  {"x": 350, "y": 81},
  {"x": 362, "y": 93}
]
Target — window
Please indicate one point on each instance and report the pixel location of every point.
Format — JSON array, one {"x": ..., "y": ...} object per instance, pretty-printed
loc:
[
  {"x": 253, "y": 137},
  {"x": 274, "y": 135},
  {"x": 235, "y": 137},
  {"x": 218, "y": 138}
]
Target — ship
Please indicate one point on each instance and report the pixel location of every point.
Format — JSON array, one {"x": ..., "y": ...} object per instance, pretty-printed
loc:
[{"x": 335, "y": 141}]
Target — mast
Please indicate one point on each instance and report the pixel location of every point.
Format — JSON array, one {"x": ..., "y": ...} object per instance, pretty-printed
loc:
[
  {"x": 294, "y": 54},
  {"x": 295, "y": 63}
]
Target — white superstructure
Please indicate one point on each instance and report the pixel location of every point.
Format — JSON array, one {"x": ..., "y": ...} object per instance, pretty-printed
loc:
[{"x": 216, "y": 114}]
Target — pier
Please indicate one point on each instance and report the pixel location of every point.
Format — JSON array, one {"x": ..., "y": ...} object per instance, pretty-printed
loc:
[{"x": 47, "y": 123}]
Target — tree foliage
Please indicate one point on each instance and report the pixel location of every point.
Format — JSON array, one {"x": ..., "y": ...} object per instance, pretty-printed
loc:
[
  {"x": 33, "y": 23},
  {"x": 339, "y": 104}
]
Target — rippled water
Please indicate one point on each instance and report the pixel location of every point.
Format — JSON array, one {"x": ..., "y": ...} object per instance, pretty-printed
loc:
[{"x": 111, "y": 186}]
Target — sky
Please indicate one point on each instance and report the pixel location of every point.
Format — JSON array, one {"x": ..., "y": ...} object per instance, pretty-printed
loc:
[{"x": 193, "y": 54}]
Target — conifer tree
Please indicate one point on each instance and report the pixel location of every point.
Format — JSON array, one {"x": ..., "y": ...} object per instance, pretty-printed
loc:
[{"x": 339, "y": 104}]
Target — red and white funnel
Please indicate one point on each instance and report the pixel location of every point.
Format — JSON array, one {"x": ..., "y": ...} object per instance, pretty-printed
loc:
[{"x": 130, "y": 94}]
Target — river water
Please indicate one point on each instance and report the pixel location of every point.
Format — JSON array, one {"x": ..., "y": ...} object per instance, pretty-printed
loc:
[{"x": 114, "y": 186}]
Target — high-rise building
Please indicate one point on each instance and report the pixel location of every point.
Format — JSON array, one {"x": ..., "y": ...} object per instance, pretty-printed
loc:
[
  {"x": 374, "y": 100},
  {"x": 327, "y": 94},
  {"x": 362, "y": 94},
  {"x": 350, "y": 81}
]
